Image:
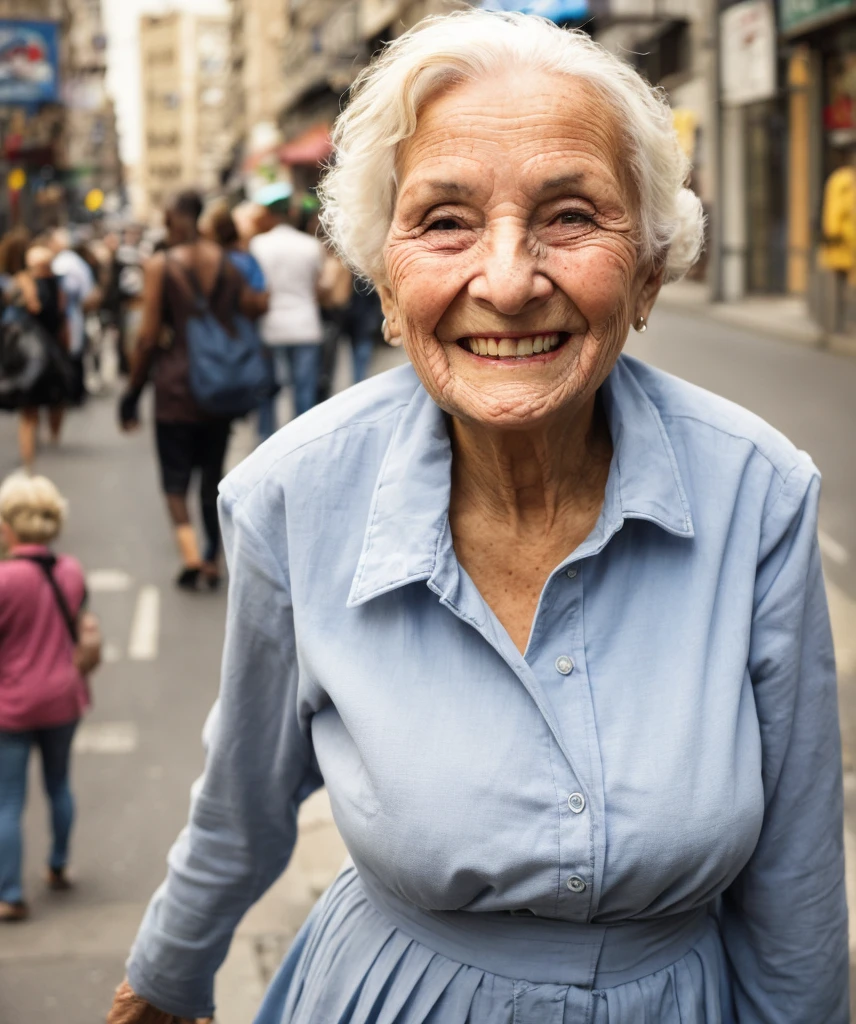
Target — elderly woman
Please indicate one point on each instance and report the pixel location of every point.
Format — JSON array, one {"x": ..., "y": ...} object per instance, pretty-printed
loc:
[
  {"x": 42, "y": 692},
  {"x": 548, "y": 623}
]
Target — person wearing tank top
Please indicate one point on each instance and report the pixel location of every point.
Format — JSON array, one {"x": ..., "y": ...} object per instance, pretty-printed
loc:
[{"x": 188, "y": 440}]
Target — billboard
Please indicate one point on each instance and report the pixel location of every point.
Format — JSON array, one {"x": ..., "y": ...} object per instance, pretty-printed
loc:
[
  {"x": 29, "y": 62},
  {"x": 555, "y": 10}
]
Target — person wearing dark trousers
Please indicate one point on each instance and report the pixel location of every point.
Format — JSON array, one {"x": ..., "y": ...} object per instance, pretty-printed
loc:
[{"x": 188, "y": 439}]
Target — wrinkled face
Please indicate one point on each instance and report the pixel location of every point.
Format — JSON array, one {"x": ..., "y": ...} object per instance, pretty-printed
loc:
[{"x": 512, "y": 264}]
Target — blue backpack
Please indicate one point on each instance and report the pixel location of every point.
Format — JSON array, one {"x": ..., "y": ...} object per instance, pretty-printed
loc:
[{"x": 230, "y": 374}]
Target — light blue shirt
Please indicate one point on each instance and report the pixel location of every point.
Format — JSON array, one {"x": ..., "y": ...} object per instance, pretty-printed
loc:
[{"x": 668, "y": 741}]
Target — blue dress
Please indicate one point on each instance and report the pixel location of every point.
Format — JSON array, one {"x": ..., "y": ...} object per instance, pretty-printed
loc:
[{"x": 638, "y": 821}]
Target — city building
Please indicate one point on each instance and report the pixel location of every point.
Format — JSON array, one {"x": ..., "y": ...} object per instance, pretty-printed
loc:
[
  {"x": 93, "y": 177},
  {"x": 820, "y": 36},
  {"x": 185, "y": 77},
  {"x": 256, "y": 83},
  {"x": 59, "y": 155}
]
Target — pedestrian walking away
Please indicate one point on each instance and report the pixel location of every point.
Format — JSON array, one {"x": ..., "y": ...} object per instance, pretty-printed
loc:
[
  {"x": 219, "y": 226},
  {"x": 291, "y": 262},
  {"x": 33, "y": 299},
  {"x": 82, "y": 295},
  {"x": 43, "y": 690},
  {"x": 549, "y": 623},
  {"x": 189, "y": 439}
]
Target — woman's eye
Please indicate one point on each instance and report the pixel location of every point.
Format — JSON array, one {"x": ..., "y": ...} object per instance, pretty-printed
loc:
[
  {"x": 443, "y": 224},
  {"x": 573, "y": 217}
]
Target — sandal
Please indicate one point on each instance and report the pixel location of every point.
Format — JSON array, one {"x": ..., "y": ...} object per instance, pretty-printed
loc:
[
  {"x": 211, "y": 575},
  {"x": 58, "y": 881},
  {"x": 187, "y": 578},
  {"x": 11, "y": 912}
]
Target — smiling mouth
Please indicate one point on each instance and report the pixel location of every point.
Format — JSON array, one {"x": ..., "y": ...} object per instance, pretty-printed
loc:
[{"x": 514, "y": 348}]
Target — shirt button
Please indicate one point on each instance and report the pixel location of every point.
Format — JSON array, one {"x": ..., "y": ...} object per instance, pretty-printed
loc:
[
  {"x": 576, "y": 802},
  {"x": 571, "y": 573},
  {"x": 564, "y": 665},
  {"x": 576, "y": 884}
]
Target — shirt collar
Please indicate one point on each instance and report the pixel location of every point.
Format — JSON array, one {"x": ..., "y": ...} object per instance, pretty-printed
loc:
[{"x": 409, "y": 516}]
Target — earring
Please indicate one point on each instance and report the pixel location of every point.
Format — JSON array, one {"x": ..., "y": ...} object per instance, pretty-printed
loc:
[
  {"x": 641, "y": 324},
  {"x": 395, "y": 341}
]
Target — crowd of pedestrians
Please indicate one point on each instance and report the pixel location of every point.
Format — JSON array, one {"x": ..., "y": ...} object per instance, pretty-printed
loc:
[{"x": 78, "y": 312}]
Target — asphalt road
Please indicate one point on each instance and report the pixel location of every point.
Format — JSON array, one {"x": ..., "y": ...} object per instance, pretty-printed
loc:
[{"x": 139, "y": 750}]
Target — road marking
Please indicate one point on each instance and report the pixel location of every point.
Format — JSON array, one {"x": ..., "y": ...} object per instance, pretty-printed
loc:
[
  {"x": 110, "y": 654},
  {"x": 106, "y": 738},
  {"x": 830, "y": 547},
  {"x": 108, "y": 581},
  {"x": 145, "y": 628}
]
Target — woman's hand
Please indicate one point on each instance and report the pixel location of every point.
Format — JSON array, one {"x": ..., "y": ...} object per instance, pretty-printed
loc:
[
  {"x": 129, "y": 1008},
  {"x": 129, "y": 417}
]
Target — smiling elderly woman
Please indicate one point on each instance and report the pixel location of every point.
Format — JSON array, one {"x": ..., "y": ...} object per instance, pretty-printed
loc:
[{"x": 548, "y": 623}]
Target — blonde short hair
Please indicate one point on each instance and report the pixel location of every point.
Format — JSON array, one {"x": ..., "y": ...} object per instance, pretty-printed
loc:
[
  {"x": 359, "y": 191},
  {"x": 33, "y": 508}
]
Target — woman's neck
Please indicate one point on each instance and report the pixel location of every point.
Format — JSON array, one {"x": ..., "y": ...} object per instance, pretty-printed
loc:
[{"x": 530, "y": 479}]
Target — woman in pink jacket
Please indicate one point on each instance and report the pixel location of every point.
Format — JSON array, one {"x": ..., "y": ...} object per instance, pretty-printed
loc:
[{"x": 42, "y": 693}]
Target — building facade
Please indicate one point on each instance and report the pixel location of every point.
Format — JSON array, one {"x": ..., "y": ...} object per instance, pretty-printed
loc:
[
  {"x": 58, "y": 141},
  {"x": 185, "y": 79}
]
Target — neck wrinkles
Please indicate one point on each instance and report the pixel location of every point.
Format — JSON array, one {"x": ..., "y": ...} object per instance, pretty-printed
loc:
[{"x": 531, "y": 477}]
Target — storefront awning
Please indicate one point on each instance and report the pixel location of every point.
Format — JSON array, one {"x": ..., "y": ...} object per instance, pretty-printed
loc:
[
  {"x": 555, "y": 10},
  {"x": 312, "y": 147}
]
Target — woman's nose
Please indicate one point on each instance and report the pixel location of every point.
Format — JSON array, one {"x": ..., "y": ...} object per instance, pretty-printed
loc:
[{"x": 510, "y": 277}]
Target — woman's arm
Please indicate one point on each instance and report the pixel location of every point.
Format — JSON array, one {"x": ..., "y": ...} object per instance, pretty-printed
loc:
[
  {"x": 254, "y": 304},
  {"x": 784, "y": 920},
  {"x": 243, "y": 818}
]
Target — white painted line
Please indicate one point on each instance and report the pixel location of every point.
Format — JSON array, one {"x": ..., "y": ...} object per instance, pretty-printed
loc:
[
  {"x": 106, "y": 738},
  {"x": 145, "y": 628},
  {"x": 108, "y": 581},
  {"x": 830, "y": 547},
  {"x": 110, "y": 653}
]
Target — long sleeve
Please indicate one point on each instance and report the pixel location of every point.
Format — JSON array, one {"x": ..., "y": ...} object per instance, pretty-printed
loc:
[
  {"x": 243, "y": 818},
  {"x": 784, "y": 919}
]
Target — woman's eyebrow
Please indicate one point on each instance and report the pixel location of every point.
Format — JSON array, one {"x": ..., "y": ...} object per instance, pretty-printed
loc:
[
  {"x": 564, "y": 183},
  {"x": 434, "y": 190}
]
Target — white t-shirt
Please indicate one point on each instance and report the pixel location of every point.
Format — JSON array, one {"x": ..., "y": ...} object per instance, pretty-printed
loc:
[{"x": 291, "y": 261}]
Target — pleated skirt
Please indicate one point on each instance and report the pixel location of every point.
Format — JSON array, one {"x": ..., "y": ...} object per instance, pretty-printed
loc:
[{"x": 354, "y": 962}]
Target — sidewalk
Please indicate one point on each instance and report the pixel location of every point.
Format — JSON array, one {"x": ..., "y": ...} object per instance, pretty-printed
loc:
[
  {"x": 264, "y": 935},
  {"x": 784, "y": 317}
]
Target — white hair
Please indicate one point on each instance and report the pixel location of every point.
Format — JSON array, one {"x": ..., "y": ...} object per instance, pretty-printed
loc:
[
  {"x": 33, "y": 507},
  {"x": 359, "y": 190}
]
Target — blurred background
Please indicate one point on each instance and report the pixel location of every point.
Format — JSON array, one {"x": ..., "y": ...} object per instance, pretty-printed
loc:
[{"x": 109, "y": 107}]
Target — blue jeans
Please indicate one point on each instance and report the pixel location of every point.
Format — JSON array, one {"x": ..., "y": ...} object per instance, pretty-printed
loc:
[
  {"x": 55, "y": 747},
  {"x": 302, "y": 365}
]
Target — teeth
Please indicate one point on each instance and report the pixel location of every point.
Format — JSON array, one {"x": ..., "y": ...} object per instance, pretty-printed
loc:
[{"x": 513, "y": 348}]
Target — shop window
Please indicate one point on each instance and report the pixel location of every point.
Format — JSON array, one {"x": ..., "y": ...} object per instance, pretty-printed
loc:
[{"x": 667, "y": 54}]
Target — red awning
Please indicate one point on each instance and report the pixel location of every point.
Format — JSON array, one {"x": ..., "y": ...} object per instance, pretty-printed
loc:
[{"x": 312, "y": 147}]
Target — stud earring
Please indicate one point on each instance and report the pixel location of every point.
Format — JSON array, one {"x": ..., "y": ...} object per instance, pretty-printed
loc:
[{"x": 641, "y": 324}]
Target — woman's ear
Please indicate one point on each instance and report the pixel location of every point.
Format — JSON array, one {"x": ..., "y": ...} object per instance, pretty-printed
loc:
[
  {"x": 390, "y": 309},
  {"x": 649, "y": 291}
]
